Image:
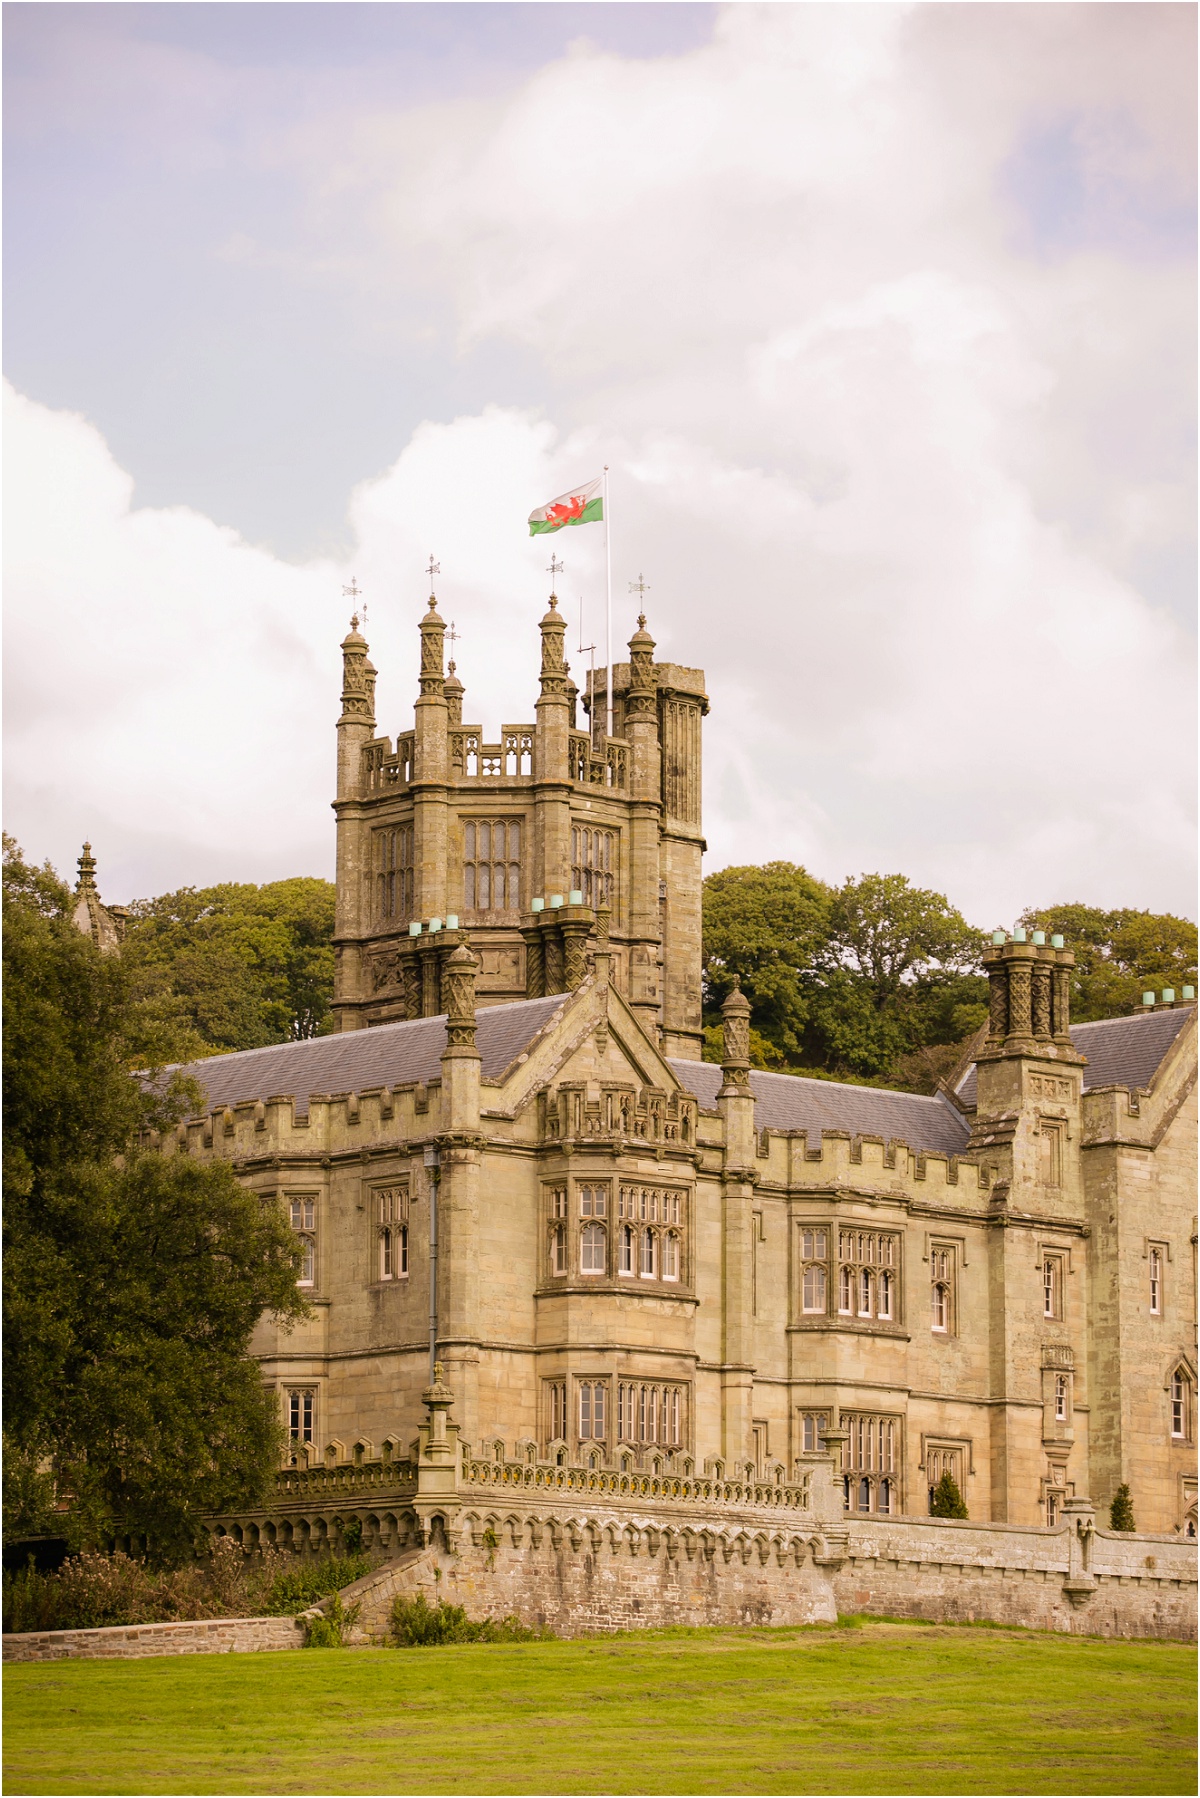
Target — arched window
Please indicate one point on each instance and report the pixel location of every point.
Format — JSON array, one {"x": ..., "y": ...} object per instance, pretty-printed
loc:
[
  {"x": 864, "y": 1495},
  {"x": 941, "y": 1307},
  {"x": 386, "y": 1270},
  {"x": 670, "y": 1256},
  {"x": 885, "y": 1294},
  {"x": 866, "y": 1285},
  {"x": 1155, "y": 1282},
  {"x": 648, "y": 1259},
  {"x": 846, "y": 1291},
  {"x": 402, "y": 1236},
  {"x": 308, "y": 1264},
  {"x": 592, "y": 1244},
  {"x": 885, "y": 1495},
  {"x": 625, "y": 1265},
  {"x": 302, "y": 1215},
  {"x": 558, "y": 1249},
  {"x": 1181, "y": 1405},
  {"x": 814, "y": 1288},
  {"x": 1060, "y": 1397}
]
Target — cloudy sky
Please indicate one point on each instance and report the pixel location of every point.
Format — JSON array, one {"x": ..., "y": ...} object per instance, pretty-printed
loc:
[{"x": 882, "y": 315}]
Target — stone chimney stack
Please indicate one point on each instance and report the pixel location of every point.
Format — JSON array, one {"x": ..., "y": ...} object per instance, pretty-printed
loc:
[
  {"x": 356, "y": 728},
  {"x": 551, "y": 861}
]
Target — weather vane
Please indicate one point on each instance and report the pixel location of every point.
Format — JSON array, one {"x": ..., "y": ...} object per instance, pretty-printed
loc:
[
  {"x": 556, "y": 567},
  {"x": 431, "y": 570},
  {"x": 354, "y": 592},
  {"x": 454, "y": 638},
  {"x": 641, "y": 587}
]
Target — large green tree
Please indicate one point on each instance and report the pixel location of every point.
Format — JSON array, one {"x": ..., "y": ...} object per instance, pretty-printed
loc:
[
  {"x": 765, "y": 928},
  {"x": 241, "y": 965},
  {"x": 132, "y": 1279},
  {"x": 1119, "y": 955}
]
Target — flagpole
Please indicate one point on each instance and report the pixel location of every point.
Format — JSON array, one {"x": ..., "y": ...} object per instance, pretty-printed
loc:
[{"x": 608, "y": 709}]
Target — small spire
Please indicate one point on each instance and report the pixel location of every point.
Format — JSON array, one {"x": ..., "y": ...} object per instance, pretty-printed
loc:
[{"x": 87, "y": 871}]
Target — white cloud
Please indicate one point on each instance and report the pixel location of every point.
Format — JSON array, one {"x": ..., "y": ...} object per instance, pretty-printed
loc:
[{"x": 889, "y": 470}]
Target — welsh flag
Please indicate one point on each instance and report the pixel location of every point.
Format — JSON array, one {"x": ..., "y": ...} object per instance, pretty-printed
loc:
[{"x": 581, "y": 505}]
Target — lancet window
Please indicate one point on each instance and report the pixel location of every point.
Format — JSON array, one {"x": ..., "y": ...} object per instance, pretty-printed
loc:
[
  {"x": 650, "y": 1412},
  {"x": 651, "y": 1230},
  {"x": 302, "y": 1216},
  {"x": 391, "y": 1227},
  {"x": 492, "y": 864},
  {"x": 394, "y": 874},
  {"x": 943, "y": 1284},
  {"x": 301, "y": 1403},
  {"x": 868, "y": 1264},
  {"x": 813, "y": 1425},
  {"x": 814, "y": 1275},
  {"x": 870, "y": 1462},
  {"x": 593, "y": 864}
]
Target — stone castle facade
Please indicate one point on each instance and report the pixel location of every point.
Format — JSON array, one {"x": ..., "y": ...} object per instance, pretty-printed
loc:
[{"x": 633, "y": 1265}]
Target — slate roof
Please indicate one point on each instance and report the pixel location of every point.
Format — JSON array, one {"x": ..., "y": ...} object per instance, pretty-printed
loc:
[
  {"x": 789, "y": 1102},
  {"x": 358, "y": 1060},
  {"x": 1120, "y": 1051}
]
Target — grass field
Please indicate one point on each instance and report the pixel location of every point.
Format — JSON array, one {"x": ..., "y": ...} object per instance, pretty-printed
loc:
[{"x": 881, "y": 1708}]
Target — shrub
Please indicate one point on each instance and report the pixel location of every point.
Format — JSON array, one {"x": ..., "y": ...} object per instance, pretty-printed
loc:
[
  {"x": 947, "y": 1500},
  {"x": 91, "y": 1591},
  {"x": 329, "y": 1629},
  {"x": 416, "y": 1623},
  {"x": 1120, "y": 1516},
  {"x": 299, "y": 1587}
]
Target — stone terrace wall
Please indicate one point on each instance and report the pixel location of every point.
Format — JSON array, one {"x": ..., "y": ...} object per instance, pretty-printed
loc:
[
  {"x": 216, "y": 1635},
  {"x": 946, "y": 1571}
]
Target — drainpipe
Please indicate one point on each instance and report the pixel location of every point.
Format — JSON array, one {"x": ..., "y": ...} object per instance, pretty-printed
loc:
[{"x": 433, "y": 1163}]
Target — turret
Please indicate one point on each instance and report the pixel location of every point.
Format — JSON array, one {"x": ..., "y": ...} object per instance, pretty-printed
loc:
[
  {"x": 645, "y": 783},
  {"x": 431, "y": 771},
  {"x": 551, "y": 768},
  {"x": 105, "y": 924}
]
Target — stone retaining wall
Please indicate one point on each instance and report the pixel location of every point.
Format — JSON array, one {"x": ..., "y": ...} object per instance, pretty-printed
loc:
[{"x": 133, "y": 1641}]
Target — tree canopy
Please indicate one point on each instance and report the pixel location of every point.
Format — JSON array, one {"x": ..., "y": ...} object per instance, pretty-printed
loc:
[
  {"x": 1119, "y": 955},
  {"x": 852, "y": 981},
  {"x": 240, "y": 966},
  {"x": 132, "y": 1279}
]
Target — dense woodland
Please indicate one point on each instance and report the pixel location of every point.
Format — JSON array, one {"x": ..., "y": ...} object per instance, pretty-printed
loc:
[
  {"x": 874, "y": 980},
  {"x": 132, "y": 1281}
]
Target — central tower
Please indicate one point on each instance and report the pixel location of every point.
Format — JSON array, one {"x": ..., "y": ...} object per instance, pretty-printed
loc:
[{"x": 522, "y": 842}]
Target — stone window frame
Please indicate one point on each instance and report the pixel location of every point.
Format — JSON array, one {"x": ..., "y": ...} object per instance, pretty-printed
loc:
[
  {"x": 593, "y": 1249},
  {"x": 303, "y": 1213},
  {"x": 935, "y": 1446},
  {"x": 593, "y": 1407},
  {"x": 292, "y": 1401},
  {"x": 389, "y": 1209},
  {"x": 555, "y": 1408},
  {"x": 646, "y": 1403},
  {"x": 866, "y": 1445},
  {"x": 1057, "y": 1257},
  {"x": 472, "y": 860},
  {"x": 1156, "y": 1276},
  {"x": 599, "y": 884},
  {"x": 812, "y": 1427},
  {"x": 813, "y": 1239},
  {"x": 1052, "y": 1137},
  {"x": 1181, "y": 1401},
  {"x": 647, "y": 1217},
  {"x": 860, "y": 1274},
  {"x": 393, "y": 859}
]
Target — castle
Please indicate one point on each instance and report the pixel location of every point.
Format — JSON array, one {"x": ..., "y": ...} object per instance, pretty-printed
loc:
[{"x": 629, "y": 1264}]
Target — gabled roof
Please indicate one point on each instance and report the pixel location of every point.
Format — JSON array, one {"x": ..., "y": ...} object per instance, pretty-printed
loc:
[
  {"x": 359, "y": 1060},
  {"x": 1120, "y": 1051},
  {"x": 789, "y": 1102}
]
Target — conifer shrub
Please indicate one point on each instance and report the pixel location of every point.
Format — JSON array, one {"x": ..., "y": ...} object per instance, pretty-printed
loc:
[
  {"x": 415, "y": 1623},
  {"x": 1120, "y": 1516},
  {"x": 947, "y": 1500}
]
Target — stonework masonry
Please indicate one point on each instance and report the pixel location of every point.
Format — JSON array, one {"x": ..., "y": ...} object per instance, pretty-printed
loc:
[{"x": 636, "y": 1263}]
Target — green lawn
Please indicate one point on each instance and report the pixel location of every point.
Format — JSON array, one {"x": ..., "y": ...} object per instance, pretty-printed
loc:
[{"x": 887, "y": 1708}]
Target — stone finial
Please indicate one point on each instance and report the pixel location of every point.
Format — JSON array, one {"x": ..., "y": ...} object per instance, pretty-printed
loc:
[
  {"x": 358, "y": 678},
  {"x": 643, "y": 685},
  {"x": 87, "y": 871},
  {"x": 458, "y": 977},
  {"x": 735, "y": 1056},
  {"x": 554, "y": 669},
  {"x": 454, "y": 695},
  {"x": 433, "y": 633}
]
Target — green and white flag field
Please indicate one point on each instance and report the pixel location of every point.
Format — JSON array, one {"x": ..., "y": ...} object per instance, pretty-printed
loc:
[{"x": 580, "y": 505}]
